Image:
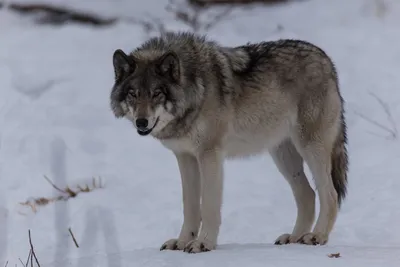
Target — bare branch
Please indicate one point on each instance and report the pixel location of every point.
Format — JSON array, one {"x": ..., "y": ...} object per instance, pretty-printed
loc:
[
  {"x": 392, "y": 129},
  {"x": 54, "y": 186},
  {"x": 33, "y": 251}
]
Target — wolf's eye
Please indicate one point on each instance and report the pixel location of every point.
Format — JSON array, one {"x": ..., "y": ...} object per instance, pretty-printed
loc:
[
  {"x": 132, "y": 94},
  {"x": 156, "y": 94}
]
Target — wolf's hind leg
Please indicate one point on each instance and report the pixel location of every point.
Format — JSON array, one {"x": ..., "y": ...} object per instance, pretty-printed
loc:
[
  {"x": 290, "y": 165},
  {"x": 315, "y": 144},
  {"x": 318, "y": 159}
]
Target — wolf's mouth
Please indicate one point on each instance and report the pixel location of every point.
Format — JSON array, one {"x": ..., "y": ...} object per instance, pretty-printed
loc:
[{"x": 145, "y": 132}]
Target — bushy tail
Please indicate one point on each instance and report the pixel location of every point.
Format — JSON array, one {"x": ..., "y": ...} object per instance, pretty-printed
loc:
[{"x": 340, "y": 161}]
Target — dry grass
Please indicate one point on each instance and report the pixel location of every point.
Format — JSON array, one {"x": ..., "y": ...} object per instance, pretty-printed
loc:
[{"x": 65, "y": 194}]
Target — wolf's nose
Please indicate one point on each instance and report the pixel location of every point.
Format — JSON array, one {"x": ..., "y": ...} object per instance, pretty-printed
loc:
[{"x": 142, "y": 123}]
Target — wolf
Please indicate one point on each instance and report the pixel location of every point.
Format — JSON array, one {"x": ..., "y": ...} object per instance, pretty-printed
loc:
[{"x": 207, "y": 103}]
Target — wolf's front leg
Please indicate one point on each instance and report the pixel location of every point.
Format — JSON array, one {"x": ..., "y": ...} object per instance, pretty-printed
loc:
[
  {"x": 189, "y": 170},
  {"x": 211, "y": 171}
]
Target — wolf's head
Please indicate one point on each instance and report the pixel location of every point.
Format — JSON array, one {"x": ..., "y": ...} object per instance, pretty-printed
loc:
[{"x": 148, "y": 90}]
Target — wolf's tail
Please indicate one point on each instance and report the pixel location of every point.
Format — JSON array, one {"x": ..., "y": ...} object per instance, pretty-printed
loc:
[{"x": 340, "y": 160}]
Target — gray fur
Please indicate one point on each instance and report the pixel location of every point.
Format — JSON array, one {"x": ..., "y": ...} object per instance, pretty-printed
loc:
[{"x": 207, "y": 103}]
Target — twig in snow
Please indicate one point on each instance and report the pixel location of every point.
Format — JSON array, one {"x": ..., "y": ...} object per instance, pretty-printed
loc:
[
  {"x": 6, "y": 264},
  {"x": 334, "y": 255},
  {"x": 21, "y": 262},
  {"x": 392, "y": 129},
  {"x": 33, "y": 251},
  {"x": 73, "y": 237},
  {"x": 29, "y": 257}
]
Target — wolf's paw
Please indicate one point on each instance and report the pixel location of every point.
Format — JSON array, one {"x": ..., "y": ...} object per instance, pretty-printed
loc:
[
  {"x": 286, "y": 239},
  {"x": 313, "y": 239},
  {"x": 174, "y": 244},
  {"x": 197, "y": 246}
]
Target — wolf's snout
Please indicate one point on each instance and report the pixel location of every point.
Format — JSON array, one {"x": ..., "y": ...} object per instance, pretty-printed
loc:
[{"x": 142, "y": 123}]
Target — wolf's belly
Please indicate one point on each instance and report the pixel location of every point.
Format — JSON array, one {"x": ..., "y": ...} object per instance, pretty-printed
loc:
[
  {"x": 251, "y": 143},
  {"x": 237, "y": 143}
]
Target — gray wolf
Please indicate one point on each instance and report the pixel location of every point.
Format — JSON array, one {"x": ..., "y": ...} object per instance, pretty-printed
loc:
[{"x": 207, "y": 103}]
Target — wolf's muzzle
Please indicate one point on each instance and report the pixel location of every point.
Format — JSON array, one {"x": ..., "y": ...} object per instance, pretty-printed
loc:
[{"x": 142, "y": 124}]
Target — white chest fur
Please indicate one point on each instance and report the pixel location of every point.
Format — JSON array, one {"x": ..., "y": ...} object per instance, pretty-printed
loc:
[{"x": 182, "y": 145}]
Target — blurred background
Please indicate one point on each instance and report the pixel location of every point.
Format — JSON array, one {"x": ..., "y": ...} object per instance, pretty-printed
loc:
[{"x": 56, "y": 75}]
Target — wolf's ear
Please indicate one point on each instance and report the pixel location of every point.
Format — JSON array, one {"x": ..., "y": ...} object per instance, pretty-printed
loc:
[
  {"x": 169, "y": 66},
  {"x": 123, "y": 65}
]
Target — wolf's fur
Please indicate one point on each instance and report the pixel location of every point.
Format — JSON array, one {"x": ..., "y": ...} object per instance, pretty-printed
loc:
[{"x": 206, "y": 102}]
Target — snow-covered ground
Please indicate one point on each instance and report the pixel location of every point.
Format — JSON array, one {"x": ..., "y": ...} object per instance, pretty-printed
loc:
[{"x": 55, "y": 120}]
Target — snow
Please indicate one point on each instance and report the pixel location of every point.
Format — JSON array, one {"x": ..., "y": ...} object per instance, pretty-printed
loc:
[{"x": 55, "y": 120}]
